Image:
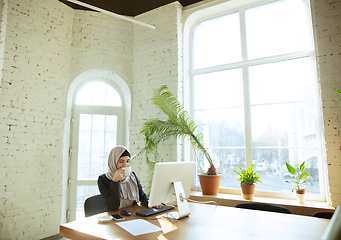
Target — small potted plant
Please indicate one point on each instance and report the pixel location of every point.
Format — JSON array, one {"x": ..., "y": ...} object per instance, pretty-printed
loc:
[
  {"x": 299, "y": 181},
  {"x": 248, "y": 179}
]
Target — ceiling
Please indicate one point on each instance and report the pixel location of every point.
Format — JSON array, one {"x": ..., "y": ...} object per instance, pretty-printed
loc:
[{"x": 127, "y": 7}]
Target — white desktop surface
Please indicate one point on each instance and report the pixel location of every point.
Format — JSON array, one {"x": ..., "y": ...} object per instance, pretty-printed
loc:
[{"x": 207, "y": 222}]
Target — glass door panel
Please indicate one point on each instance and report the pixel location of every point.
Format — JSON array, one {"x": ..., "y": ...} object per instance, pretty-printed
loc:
[
  {"x": 94, "y": 135},
  {"x": 93, "y": 161}
]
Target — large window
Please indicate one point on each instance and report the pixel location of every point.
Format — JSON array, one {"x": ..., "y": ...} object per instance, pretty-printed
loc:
[{"x": 254, "y": 93}]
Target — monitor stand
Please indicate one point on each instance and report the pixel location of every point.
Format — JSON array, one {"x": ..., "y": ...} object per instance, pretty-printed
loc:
[{"x": 183, "y": 207}]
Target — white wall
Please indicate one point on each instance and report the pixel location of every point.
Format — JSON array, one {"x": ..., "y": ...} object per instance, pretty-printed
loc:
[
  {"x": 157, "y": 61},
  {"x": 326, "y": 16},
  {"x": 36, "y": 37}
]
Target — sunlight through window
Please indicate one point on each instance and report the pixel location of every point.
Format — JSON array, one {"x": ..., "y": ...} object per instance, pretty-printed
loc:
[
  {"x": 254, "y": 92},
  {"x": 98, "y": 93}
]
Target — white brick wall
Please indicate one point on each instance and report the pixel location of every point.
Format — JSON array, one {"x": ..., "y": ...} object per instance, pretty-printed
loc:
[
  {"x": 326, "y": 16},
  {"x": 35, "y": 46},
  {"x": 157, "y": 61},
  {"x": 102, "y": 41}
]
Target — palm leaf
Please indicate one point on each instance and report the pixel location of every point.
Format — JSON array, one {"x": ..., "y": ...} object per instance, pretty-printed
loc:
[{"x": 178, "y": 124}]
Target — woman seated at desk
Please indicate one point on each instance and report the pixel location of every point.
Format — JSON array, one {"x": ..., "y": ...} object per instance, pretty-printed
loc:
[{"x": 120, "y": 191}]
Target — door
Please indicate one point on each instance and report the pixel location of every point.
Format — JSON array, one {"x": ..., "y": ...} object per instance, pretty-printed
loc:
[{"x": 95, "y": 131}]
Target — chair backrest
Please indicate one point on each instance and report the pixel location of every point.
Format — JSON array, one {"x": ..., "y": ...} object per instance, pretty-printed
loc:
[
  {"x": 263, "y": 207},
  {"x": 94, "y": 205},
  {"x": 333, "y": 230},
  {"x": 327, "y": 215}
]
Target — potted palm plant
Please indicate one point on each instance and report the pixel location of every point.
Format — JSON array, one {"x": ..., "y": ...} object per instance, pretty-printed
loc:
[
  {"x": 178, "y": 124},
  {"x": 300, "y": 180},
  {"x": 248, "y": 178}
]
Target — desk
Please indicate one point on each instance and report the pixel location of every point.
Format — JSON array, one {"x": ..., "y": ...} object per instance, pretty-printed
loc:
[{"x": 206, "y": 222}]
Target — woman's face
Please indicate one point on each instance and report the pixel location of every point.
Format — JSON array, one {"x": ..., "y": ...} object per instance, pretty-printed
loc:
[{"x": 123, "y": 162}]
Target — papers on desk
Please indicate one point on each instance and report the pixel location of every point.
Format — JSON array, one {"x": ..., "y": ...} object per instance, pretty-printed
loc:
[{"x": 138, "y": 227}]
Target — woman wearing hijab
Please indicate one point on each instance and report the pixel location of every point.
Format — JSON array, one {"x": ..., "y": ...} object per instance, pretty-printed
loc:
[{"x": 120, "y": 191}]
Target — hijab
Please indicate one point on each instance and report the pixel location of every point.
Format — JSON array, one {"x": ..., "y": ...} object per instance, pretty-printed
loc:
[{"x": 128, "y": 185}]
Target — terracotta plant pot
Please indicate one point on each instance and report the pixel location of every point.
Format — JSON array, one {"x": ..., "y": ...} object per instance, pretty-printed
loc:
[
  {"x": 248, "y": 191},
  {"x": 300, "y": 195},
  {"x": 209, "y": 184}
]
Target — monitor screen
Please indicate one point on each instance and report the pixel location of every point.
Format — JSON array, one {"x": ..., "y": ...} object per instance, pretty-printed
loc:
[{"x": 165, "y": 174}]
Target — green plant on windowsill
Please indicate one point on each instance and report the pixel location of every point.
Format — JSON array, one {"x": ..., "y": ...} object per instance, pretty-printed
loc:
[
  {"x": 300, "y": 177},
  {"x": 247, "y": 177}
]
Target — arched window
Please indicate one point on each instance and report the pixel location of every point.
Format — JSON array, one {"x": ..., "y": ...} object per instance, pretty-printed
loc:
[
  {"x": 98, "y": 93},
  {"x": 253, "y": 91},
  {"x": 97, "y": 127}
]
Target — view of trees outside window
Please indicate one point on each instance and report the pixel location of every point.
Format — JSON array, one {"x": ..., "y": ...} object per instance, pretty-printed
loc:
[{"x": 254, "y": 82}]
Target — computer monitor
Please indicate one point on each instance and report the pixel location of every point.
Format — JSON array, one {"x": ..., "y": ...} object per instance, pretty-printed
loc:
[{"x": 172, "y": 181}]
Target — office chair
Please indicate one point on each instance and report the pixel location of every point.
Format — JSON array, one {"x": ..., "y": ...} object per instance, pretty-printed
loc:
[
  {"x": 263, "y": 207},
  {"x": 327, "y": 215},
  {"x": 94, "y": 205}
]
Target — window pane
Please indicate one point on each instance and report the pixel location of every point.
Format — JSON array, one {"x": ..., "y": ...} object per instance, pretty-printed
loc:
[
  {"x": 281, "y": 92},
  {"x": 225, "y": 160},
  {"x": 218, "y": 97},
  {"x": 85, "y": 122},
  {"x": 270, "y": 165},
  {"x": 83, "y": 192},
  {"x": 217, "y": 41},
  {"x": 283, "y": 122},
  {"x": 110, "y": 133},
  {"x": 277, "y": 28},
  {"x": 99, "y": 94},
  {"x": 219, "y": 114},
  {"x": 98, "y": 122},
  {"x": 95, "y": 144},
  {"x": 218, "y": 90},
  {"x": 110, "y": 123}
]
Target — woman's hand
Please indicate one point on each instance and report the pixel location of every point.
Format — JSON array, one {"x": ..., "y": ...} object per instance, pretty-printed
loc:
[{"x": 118, "y": 175}]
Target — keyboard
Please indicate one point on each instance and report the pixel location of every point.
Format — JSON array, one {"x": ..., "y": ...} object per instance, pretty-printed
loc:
[{"x": 152, "y": 211}]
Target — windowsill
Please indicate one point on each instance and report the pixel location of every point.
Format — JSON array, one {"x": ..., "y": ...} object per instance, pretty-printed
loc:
[{"x": 231, "y": 200}]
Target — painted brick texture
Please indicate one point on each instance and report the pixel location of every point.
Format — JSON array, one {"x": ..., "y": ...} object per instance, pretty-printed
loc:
[
  {"x": 326, "y": 16},
  {"x": 35, "y": 42},
  {"x": 102, "y": 41},
  {"x": 157, "y": 61}
]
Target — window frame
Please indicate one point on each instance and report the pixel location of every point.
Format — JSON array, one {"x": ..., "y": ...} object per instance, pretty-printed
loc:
[
  {"x": 90, "y": 109},
  {"x": 230, "y": 7}
]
